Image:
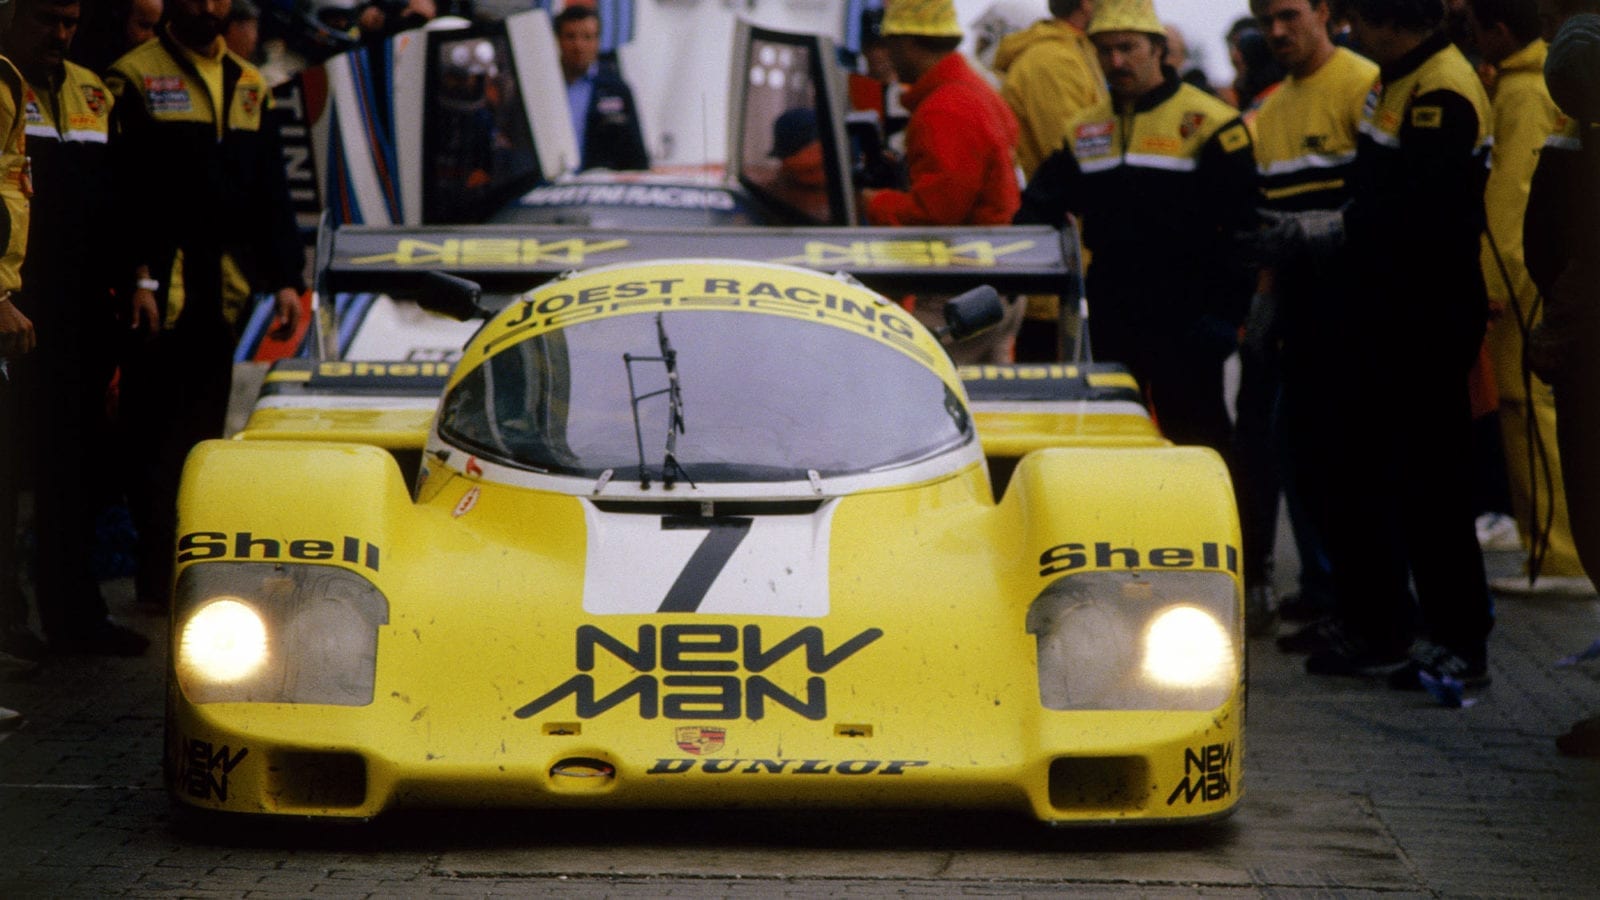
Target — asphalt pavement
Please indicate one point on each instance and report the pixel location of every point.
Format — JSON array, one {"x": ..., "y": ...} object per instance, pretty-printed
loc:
[{"x": 1350, "y": 789}]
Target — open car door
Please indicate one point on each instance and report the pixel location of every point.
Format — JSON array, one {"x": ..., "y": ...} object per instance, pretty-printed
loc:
[
  {"x": 440, "y": 125},
  {"x": 786, "y": 130}
]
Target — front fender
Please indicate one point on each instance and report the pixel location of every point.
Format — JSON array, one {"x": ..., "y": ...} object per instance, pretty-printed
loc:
[
  {"x": 328, "y": 503},
  {"x": 1084, "y": 509}
]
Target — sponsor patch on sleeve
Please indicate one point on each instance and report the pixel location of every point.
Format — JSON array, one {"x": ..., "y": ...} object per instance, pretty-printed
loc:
[
  {"x": 1233, "y": 139},
  {"x": 1427, "y": 116},
  {"x": 1093, "y": 139}
]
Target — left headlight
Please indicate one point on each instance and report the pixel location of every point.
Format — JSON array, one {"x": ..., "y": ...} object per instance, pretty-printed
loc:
[
  {"x": 1137, "y": 640},
  {"x": 270, "y": 633},
  {"x": 224, "y": 641}
]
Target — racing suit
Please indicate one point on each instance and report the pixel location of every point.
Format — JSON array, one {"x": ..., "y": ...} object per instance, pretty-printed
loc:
[
  {"x": 62, "y": 383},
  {"x": 1050, "y": 74},
  {"x": 1305, "y": 143},
  {"x": 1524, "y": 119},
  {"x": 1416, "y": 318},
  {"x": 199, "y": 169},
  {"x": 958, "y": 153},
  {"x": 1562, "y": 245},
  {"x": 14, "y": 192},
  {"x": 1164, "y": 186}
]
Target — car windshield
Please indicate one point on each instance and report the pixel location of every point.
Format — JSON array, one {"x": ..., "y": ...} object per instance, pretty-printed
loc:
[{"x": 760, "y": 397}]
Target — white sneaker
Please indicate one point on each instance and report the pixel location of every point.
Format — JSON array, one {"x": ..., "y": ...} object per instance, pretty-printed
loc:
[
  {"x": 1545, "y": 586},
  {"x": 1497, "y": 532}
]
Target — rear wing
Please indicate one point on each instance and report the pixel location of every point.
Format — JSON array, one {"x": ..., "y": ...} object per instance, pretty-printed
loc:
[{"x": 508, "y": 259}]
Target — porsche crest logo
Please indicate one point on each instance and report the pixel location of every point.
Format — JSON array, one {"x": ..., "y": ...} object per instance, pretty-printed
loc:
[
  {"x": 95, "y": 99},
  {"x": 1191, "y": 123},
  {"x": 701, "y": 741}
]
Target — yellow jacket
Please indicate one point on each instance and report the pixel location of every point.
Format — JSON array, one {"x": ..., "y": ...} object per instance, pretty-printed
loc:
[
  {"x": 1050, "y": 74},
  {"x": 1305, "y": 134},
  {"x": 15, "y": 186},
  {"x": 1522, "y": 119}
]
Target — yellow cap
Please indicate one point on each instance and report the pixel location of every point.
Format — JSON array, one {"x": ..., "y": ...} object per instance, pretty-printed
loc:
[
  {"x": 931, "y": 18},
  {"x": 1125, "y": 15}
]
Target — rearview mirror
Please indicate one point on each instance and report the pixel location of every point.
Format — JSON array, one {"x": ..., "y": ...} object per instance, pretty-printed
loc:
[
  {"x": 970, "y": 312},
  {"x": 451, "y": 295}
]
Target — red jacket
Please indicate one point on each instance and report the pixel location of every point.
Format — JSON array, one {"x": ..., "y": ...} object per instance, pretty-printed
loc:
[{"x": 958, "y": 152}]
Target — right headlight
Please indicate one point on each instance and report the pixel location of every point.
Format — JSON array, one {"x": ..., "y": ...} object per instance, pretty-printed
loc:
[
  {"x": 1137, "y": 640},
  {"x": 271, "y": 633}
]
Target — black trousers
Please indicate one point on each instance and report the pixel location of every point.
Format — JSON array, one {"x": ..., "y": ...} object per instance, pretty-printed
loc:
[
  {"x": 1388, "y": 480},
  {"x": 53, "y": 414},
  {"x": 174, "y": 395}
]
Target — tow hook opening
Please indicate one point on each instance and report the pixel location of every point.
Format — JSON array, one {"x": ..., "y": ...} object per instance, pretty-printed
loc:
[{"x": 582, "y": 773}]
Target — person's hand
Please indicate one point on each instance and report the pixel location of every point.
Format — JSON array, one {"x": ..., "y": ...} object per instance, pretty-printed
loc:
[
  {"x": 16, "y": 330},
  {"x": 286, "y": 314},
  {"x": 1288, "y": 238},
  {"x": 144, "y": 315}
]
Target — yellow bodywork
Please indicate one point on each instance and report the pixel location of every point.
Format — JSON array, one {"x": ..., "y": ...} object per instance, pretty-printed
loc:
[{"x": 919, "y": 687}]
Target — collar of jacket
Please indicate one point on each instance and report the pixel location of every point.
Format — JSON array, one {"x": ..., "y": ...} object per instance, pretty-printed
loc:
[
  {"x": 180, "y": 54},
  {"x": 52, "y": 81},
  {"x": 949, "y": 68},
  {"x": 1418, "y": 55},
  {"x": 1529, "y": 59},
  {"x": 1161, "y": 93}
]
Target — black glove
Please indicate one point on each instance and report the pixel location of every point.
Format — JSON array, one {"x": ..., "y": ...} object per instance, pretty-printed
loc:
[{"x": 1309, "y": 237}]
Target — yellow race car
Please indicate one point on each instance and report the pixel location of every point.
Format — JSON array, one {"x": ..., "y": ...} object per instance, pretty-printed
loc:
[{"x": 703, "y": 532}]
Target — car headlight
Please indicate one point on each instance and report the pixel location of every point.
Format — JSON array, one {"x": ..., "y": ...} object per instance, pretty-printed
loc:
[
  {"x": 270, "y": 633},
  {"x": 224, "y": 641},
  {"x": 1137, "y": 640},
  {"x": 1185, "y": 646}
]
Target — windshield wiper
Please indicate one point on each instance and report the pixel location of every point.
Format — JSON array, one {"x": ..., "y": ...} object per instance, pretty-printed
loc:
[{"x": 670, "y": 467}]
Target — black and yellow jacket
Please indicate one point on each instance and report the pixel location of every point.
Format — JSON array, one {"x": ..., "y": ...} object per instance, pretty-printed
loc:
[
  {"x": 198, "y": 170},
  {"x": 1417, "y": 212},
  {"x": 68, "y": 120},
  {"x": 15, "y": 187},
  {"x": 1163, "y": 186},
  {"x": 1305, "y": 134}
]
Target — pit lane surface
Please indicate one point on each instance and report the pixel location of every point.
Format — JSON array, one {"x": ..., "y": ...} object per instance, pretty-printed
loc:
[{"x": 1350, "y": 790}]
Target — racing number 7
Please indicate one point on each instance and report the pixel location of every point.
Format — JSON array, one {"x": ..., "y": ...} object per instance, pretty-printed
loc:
[{"x": 723, "y": 535}]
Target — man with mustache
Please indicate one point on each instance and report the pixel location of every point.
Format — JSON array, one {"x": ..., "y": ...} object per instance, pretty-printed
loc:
[
  {"x": 199, "y": 176},
  {"x": 1163, "y": 177}
]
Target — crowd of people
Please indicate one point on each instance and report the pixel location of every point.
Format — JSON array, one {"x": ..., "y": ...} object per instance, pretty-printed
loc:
[
  {"x": 1352, "y": 222},
  {"x": 1386, "y": 216},
  {"x": 143, "y": 202}
]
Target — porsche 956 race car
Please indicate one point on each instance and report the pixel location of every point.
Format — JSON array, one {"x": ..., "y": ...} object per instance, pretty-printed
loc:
[{"x": 702, "y": 532}]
